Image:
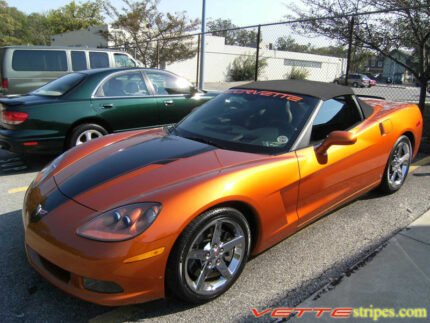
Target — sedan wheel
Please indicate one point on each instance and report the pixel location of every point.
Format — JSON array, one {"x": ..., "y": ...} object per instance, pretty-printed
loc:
[
  {"x": 87, "y": 136},
  {"x": 209, "y": 256},
  {"x": 397, "y": 167},
  {"x": 84, "y": 133}
]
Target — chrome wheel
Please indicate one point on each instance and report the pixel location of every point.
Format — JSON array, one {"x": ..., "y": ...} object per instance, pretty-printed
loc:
[
  {"x": 87, "y": 136},
  {"x": 399, "y": 164},
  {"x": 215, "y": 256}
]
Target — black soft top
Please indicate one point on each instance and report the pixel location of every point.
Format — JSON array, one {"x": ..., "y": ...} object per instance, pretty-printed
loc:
[{"x": 321, "y": 90}]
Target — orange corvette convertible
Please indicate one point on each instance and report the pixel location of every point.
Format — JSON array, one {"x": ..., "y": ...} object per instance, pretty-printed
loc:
[{"x": 138, "y": 216}]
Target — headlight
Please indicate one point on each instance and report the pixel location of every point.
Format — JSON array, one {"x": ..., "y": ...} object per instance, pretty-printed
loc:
[
  {"x": 122, "y": 223},
  {"x": 48, "y": 169}
]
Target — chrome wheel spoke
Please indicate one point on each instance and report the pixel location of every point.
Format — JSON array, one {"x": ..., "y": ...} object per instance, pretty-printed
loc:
[
  {"x": 202, "y": 276},
  {"x": 393, "y": 176},
  {"x": 405, "y": 158},
  {"x": 216, "y": 237},
  {"x": 229, "y": 245},
  {"x": 223, "y": 269}
]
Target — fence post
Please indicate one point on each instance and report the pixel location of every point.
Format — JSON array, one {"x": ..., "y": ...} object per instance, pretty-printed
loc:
[
  {"x": 158, "y": 55},
  {"x": 198, "y": 61},
  {"x": 257, "y": 55},
  {"x": 350, "y": 40}
]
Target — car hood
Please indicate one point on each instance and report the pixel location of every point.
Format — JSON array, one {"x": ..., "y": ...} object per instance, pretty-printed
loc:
[{"x": 124, "y": 171}]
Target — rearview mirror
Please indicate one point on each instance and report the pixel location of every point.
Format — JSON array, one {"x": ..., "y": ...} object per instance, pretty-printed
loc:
[{"x": 341, "y": 138}]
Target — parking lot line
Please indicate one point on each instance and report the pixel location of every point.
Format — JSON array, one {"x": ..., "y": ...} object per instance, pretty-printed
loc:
[
  {"x": 419, "y": 163},
  {"x": 17, "y": 189}
]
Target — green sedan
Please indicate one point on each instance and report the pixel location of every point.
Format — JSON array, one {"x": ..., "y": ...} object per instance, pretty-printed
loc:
[{"x": 82, "y": 106}]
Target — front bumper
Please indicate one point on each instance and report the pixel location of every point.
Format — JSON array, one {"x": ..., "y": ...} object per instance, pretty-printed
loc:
[
  {"x": 67, "y": 260},
  {"x": 14, "y": 141}
]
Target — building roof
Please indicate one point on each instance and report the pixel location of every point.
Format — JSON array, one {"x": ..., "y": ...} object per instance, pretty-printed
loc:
[{"x": 321, "y": 90}]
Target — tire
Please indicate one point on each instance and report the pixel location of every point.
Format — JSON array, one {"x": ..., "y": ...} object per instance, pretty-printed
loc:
[
  {"x": 193, "y": 272},
  {"x": 397, "y": 167},
  {"x": 336, "y": 82},
  {"x": 84, "y": 133},
  {"x": 355, "y": 84}
]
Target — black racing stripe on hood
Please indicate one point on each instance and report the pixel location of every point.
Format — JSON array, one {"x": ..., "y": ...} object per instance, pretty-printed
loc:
[{"x": 162, "y": 150}]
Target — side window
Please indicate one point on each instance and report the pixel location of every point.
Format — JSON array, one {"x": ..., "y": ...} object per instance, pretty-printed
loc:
[
  {"x": 39, "y": 60},
  {"x": 79, "y": 61},
  {"x": 124, "y": 85},
  {"x": 122, "y": 60},
  {"x": 99, "y": 60},
  {"x": 340, "y": 113},
  {"x": 167, "y": 84}
]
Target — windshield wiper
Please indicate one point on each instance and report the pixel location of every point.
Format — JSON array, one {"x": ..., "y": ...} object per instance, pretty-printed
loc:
[{"x": 205, "y": 141}]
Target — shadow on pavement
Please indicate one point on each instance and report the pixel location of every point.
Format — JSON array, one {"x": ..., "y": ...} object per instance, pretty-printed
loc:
[{"x": 12, "y": 164}]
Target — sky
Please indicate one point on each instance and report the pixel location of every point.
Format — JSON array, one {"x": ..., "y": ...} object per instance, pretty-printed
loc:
[{"x": 241, "y": 12}]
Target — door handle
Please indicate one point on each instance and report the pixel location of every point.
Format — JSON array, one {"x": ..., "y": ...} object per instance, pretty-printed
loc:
[
  {"x": 168, "y": 102},
  {"x": 107, "y": 106}
]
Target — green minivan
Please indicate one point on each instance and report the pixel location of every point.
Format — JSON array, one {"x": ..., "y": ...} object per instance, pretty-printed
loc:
[{"x": 26, "y": 68}]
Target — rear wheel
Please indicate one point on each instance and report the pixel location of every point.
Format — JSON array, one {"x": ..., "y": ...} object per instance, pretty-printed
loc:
[
  {"x": 397, "y": 167},
  {"x": 84, "y": 133},
  {"x": 209, "y": 256},
  {"x": 355, "y": 84}
]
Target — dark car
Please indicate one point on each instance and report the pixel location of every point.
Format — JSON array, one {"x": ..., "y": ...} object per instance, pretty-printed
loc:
[
  {"x": 355, "y": 80},
  {"x": 85, "y": 105}
]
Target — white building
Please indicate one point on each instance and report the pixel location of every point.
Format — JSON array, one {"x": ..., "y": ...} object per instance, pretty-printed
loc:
[{"x": 219, "y": 56}]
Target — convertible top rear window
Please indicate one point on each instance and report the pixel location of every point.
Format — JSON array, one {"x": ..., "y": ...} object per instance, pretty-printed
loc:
[{"x": 250, "y": 120}]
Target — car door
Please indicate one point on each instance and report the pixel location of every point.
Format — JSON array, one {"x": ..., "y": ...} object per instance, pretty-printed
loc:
[
  {"x": 124, "y": 101},
  {"x": 176, "y": 96},
  {"x": 345, "y": 171}
]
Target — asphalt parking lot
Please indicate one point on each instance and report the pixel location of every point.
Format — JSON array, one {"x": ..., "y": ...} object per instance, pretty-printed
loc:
[{"x": 286, "y": 274}]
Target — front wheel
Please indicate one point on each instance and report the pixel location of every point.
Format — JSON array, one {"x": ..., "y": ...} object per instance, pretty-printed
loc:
[
  {"x": 209, "y": 256},
  {"x": 397, "y": 167}
]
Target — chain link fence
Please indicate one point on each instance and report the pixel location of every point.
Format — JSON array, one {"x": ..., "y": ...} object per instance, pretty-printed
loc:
[{"x": 281, "y": 51}]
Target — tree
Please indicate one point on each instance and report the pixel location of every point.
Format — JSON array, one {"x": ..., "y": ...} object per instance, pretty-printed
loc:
[
  {"x": 158, "y": 38},
  {"x": 12, "y": 23},
  {"x": 290, "y": 44},
  {"x": 38, "y": 31},
  {"x": 404, "y": 24},
  {"x": 75, "y": 16},
  {"x": 238, "y": 37},
  {"x": 243, "y": 68}
]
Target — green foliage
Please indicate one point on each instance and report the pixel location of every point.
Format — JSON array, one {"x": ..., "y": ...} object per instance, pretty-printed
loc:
[
  {"x": 150, "y": 32},
  {"x": 17, "y": 28},
  {"x": 75, "y": 16},
  {"x": 242, "y": 37},
  {"x": 297, "y": 73},
  {"x": 243, "y": 68}
]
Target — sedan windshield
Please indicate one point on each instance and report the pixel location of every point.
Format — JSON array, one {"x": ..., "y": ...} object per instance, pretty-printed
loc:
[
  {"x": 249, "y": 120},
  {"x": 61, "y": 85}
]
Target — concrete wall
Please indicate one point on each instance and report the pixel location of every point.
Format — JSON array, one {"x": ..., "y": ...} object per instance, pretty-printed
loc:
[{"x": 219, "y": 56}]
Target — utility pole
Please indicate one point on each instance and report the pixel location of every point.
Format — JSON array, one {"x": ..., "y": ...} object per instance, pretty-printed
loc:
[{"x": 202, "y": 47}]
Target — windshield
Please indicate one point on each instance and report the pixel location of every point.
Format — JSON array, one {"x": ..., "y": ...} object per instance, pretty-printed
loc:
[
  {"x": 60, "y": 86},
  {"x": 249, "y": 120}
]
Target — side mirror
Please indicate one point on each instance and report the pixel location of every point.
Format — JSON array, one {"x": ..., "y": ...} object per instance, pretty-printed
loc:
[
  {"x": 341, "y": 138},
  {"x": 194, "y": 90}
]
